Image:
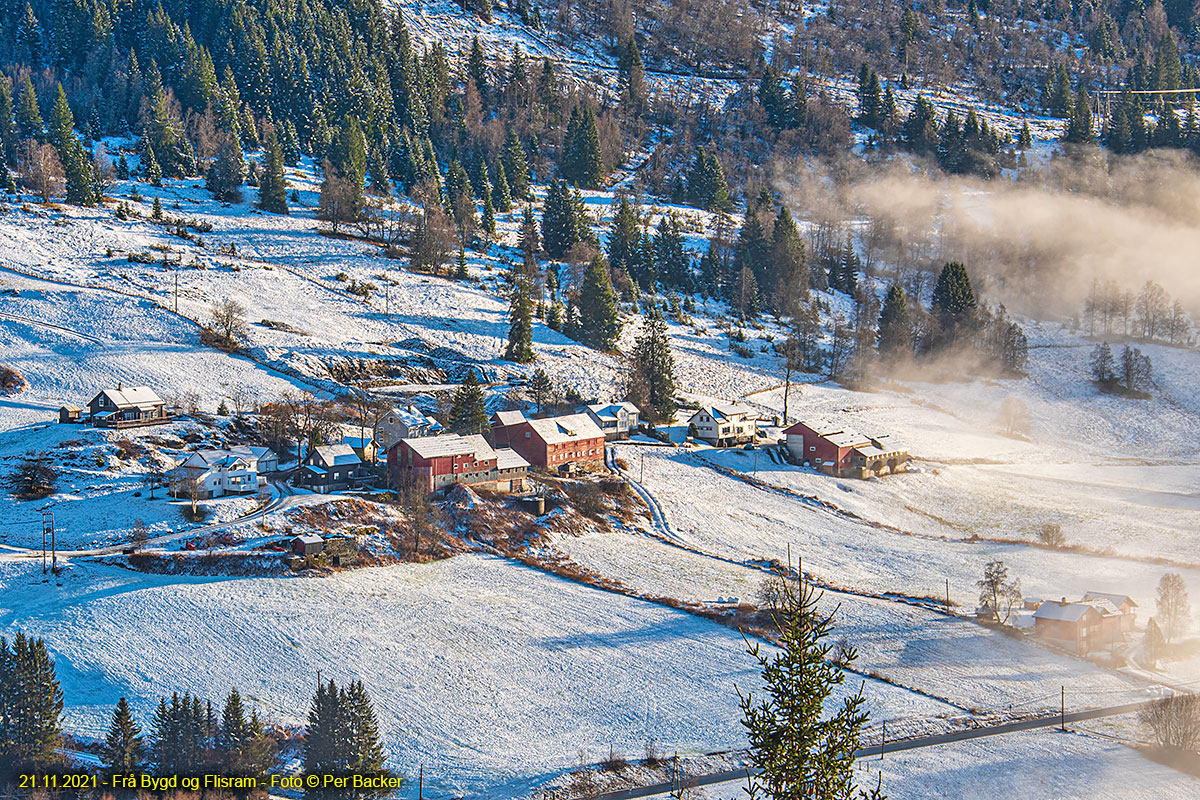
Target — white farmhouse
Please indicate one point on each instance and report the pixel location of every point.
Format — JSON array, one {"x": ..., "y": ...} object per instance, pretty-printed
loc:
[
  {"x": 216, "y": 473},
  {"x": 616, "y": 420},
  {"x": 725, "y": 424}
]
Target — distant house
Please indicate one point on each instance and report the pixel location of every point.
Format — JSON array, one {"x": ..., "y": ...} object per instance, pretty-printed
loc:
[
  {"x": 264, "y": 456},
  {"x": 435, "y": 463},
  {"x": 725, "y": 425},
  {"x": 70, "y": 414},
  {"x": 216, "y": 473},
  {"x": 403, "y": 422},
  {"x": 330, "y": 468},
  {"x": 844, "y": 452},
  {"x": 563, "y": 444},
  {"x": 308, "y": 545},
  {"x": 615, "y": 420},
  {"x": 363, "y": 447},
  {"x": 504, "y": 421},
  {"x": 1079, "y": 626},
  {"x": 1123, "y": 604},
  {"x": 127, "y": 408}
]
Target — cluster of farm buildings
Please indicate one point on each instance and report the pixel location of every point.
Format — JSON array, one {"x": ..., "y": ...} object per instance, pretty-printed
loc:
[
  {"x": 413, "y": 449},
  {"x": 419, "y": 452}
]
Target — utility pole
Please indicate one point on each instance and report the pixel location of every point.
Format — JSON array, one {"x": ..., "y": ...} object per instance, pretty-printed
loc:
[
  {"x": 48, "y": 533},
  {"x": 421, "y": 782},
  {"x": 642, "y": 479},
  {"x": 177, "y": 287},
  {"x": 883, "y": 741},
  {"x": 756, "y": 463},
  {"x": 1063, "y": 726},
  {"x": 947, "y": 595}
]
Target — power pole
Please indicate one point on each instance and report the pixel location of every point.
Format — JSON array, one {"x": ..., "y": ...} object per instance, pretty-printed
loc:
[
  {"x": 177, "y": 287},
  {"x": 48, "y": 533},
  {"x": 1063, "y": 726},
  {"x": 883, "y": 741},
  {"x": 947, "y": 595}
]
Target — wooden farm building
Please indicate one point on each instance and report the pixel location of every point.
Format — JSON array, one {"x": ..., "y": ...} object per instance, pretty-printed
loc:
[
  {"x": 562, "y": 444},
  {"x": 843, "y": 452},
  {"x": 436, "y": 463}
]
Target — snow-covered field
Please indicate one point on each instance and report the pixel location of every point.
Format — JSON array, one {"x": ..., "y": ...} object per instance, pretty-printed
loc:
[
  {"x": 496, "y": 677},
  {"x": 487, "y": 673}
]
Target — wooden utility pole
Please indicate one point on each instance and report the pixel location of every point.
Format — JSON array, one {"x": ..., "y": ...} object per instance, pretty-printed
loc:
[{"x": 1063, "y": 727}]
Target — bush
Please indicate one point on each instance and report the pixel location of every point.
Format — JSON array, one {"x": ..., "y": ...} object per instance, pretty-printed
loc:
[
  {"x": 1052, "y": 535},
  {"x": 33, "y": 479},
  {"x": 11, "y": 381},
  {"x": 199, "y": 514}
]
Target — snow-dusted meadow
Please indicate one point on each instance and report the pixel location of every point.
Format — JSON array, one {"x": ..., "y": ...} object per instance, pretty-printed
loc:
[{"x": 495, "y": 677}]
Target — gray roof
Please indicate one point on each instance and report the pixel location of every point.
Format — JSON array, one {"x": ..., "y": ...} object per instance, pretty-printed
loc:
[
  {"x": 133, "y": 397},
  {"x": 571, "y": 428},
  {"x": 1116, "y": 599},
  {"x": 609, "y": 410},
  {"x": 1062, "y": 612},
  {"x": 336, "y": 455},
  {"x": 507, "y": 418},
  {"x": 451, "y": 444},
  {"x": 507, "y": 458}
]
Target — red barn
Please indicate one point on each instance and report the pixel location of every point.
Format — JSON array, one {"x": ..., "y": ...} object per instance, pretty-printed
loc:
[
  {"x": 837, "y": 450},
  {"x": 437, "y": 462},
  {"x": 557, "y": 443}
]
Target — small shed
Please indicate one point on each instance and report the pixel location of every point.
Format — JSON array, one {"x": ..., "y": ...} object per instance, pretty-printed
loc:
[
  {"x": 307, "y": 545},
  {"x": 70, "y": 414}
]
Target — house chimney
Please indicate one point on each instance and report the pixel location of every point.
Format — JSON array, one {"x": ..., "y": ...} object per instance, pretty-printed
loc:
[
  {"x": 118, "y": 386},
  {"x": 1064, "y": 601}
]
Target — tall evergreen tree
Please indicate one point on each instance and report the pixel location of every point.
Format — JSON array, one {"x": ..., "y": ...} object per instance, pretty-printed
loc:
[
  {"x": 468, "y": 411},
  {"x": 671, "y": 261},
  {"x": 8, "y": 125},
  {"x": 631, "y": 79},
  {"x": 582, "y": 163},
  {"x": 1079, "y": 125},
  {"x": 272, "y": 186},
  {"x": 124, "y": 750},
  {"x": 501, "y": 196},
  {"x": 788, "y": 267},
  {"x": 31, "y": 704},
  {"x": 652, "y": 373},
  {"x": 520, "y": 322},
  {"x": 895, "y": 326},
  {"x": 516, "y": 167},
  {"x": 599, "y": 322},
  {"x": 29, "y": 113},
  {"x": 624, "y": 238},
  {"x": 798, "y": 748}
]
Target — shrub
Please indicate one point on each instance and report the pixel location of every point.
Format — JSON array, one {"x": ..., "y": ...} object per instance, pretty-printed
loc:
[
  {"x": 33, "y": 479},
  {"x": 11, "y": 381},
  {"x": 1052, "y": 535}
]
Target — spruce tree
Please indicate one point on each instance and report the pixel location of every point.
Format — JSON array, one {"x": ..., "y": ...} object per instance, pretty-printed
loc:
[
  {"x": 599, "y": 322},
  {"x": 631, "y": 79},
  {"x": 31, "y": 704},
  {"x": 488, "y": 217},
  {"x": 520, "y": 323},
  {"x": 234, "y": 732},
  {"x": 29, "y": 113},
  {"x": 559, "y": 224},
  {"x": 124, "y": 750},
  {"x": 501, "y": 197},
  {"x": 151, "y": 171},
  {"x": 582, "y": 163},
  {"x": 468, "y": 410},
  {"x": 227, "y": 172},
  {"x": 540, "y": 388},
  {"x": 8, "y": 125},
  {"x": 952, "y": 294},
  {"x": 516, "y": 167},
  {"x": 272, "y": 187},
  {"x": 365, "y": 754},
  {"x": 788, "y": 262},
  {"x": 652, "y": 376},
  {"x": 326, "y": 737},
  {"x": 1025, "y": 139},
  {"x": 895, "y": 326},
  {"x": 624, "y": 237},
  {"x": 796, "y": 746},
  {"x": 670, "y": 260},
  {"x": 1079, "y": 125}
]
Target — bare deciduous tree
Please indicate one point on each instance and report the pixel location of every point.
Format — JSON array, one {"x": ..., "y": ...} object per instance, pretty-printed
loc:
[
  {"x": 997, "y": 592},
  {"x": 1174, "y": 610},
  {"x": 1175, "y": 721},
  {"x": 229, "y": 321},
  {"x": 41, "y": 169}
]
